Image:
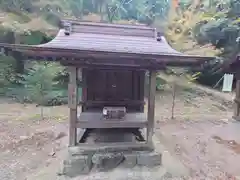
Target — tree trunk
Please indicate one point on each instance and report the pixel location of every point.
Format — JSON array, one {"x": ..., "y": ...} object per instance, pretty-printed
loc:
[
  {"x": 17, "y": 56},
  {"x": 173, "y": 99},
  {"x": 210, "y": 3},
  {"x": 41, "y": 100},
  {"x": 101, "y": 13},
  {"x": 42, "y": 114},
  {"x": 81, "y": 9},
  {"x": 101, "y": 9}
]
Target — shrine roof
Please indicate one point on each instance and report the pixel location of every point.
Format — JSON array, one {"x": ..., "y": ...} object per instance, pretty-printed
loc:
[
  {"x": 230, "y": 65},
  {"x": 86, "y": 40}
]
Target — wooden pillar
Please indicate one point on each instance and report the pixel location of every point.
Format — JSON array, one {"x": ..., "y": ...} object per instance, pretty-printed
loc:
[
  {"x": 151, "y": 104},
  {"x": 84, "y": 89},
  {"x": 72, "y": 103},
  {"x": 142, "y": 89},
  {"x": 237, "y": 101}
]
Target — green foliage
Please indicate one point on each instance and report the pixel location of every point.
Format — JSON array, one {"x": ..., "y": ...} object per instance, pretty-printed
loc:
[
  {"x": 78, "y": 8},
  {"x": 52, "y": 8},
  {"x": 16, "y": 5},
  {"x": 34, "y": 38},
  {"x": 141, "y": 10},
  {"x": 55, "y": 97},
  {"x": 46, "y": 84},
  {"x": 145, "y": 10},
  {"x": 160, "y": 83},
  {"x": 39, "y": 81},
  {"x": 219, "y": 26},
  {"x": 222, "y": 29},
  {"x": 7, "y": 74},
  {"x": 53, "y": 19},
  {"x": 207, "y": 76},
  {"x": 6, "y": 35}
]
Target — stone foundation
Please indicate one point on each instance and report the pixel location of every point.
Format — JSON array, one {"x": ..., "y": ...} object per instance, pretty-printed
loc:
[
  {"x": 76, "y": 165},
  {"x": 84, "y": 158}
]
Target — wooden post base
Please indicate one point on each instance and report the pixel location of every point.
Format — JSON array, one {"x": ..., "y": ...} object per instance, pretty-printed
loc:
[{"x": 237, "y": 118}]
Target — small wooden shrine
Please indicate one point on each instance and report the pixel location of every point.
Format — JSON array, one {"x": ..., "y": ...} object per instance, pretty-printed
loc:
[{"x": 109, "y": 62}]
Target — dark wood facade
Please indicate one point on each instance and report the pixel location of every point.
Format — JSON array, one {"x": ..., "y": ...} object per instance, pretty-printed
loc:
[{"x": 113, "y": 88}]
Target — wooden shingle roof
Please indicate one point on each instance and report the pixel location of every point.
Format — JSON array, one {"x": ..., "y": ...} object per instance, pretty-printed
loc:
[
  {"x": 111, "y": 43},
  {"x": 84, "y": 40}
]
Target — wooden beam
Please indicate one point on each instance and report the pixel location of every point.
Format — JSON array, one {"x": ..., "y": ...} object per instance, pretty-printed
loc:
[
  {"x": 72, "y": 103},
  {"x": 111, "y": 66},
  {"x": 117, "y": 103},
  {"x": 115, "y": 62},
  {"x": 151, "y": 104},
  {"x": 87, "y": 56},
  {"x": 236, "y": 103},
  {"x": 141, "y": 89},
  {"x": 95, "y": 120}
]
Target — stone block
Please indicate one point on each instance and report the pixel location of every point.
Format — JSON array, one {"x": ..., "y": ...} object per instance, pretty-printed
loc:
[
  {"x": 75, "y": 151},
  {"x": 130, "y": 160},
  {"x": 107, "y": 161},
  {"x": 149, "y": 159},
  {"x": 167, "y": 176},
  {"x": 77, "y": 165}
]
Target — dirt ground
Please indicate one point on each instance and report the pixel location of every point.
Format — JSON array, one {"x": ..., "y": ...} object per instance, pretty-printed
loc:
[{"x": 201, "y": 136}]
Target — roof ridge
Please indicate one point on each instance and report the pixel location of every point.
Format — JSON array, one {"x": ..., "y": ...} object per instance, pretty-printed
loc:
[
  {"x": 102, "y": 24},
  {"x": 71, "y": 26}
]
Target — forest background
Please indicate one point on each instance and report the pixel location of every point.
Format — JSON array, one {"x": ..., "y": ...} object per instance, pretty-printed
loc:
[{"x": 203, "y": 27}]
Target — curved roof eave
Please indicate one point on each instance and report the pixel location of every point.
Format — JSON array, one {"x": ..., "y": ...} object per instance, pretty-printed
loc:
[{"x": 107, "y": 45}]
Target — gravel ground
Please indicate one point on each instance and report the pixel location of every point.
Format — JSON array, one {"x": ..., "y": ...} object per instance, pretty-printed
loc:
[{"x": 201, "y": 142}]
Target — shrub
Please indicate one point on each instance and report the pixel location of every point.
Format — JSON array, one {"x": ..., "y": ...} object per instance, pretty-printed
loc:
[
  {"x": 6, "y": 35},
  {"x": 34, "y": 38},
  {"x": 7, "y": 74},
  {"x": 39, "y": 80},
  {"x": 53, "y": 19},
  {"x": 16, "y": 5}
]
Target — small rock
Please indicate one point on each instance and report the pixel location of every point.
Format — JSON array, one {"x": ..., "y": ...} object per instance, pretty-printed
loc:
[
  {"x": 177, "y": 149},
  {"x": 149, "y": 159},
  {"x": 225, "y": 120},
  {"x": 184, "y": 127},
  {"x": 130, "y": 160},
  {"x": 38, "y": 144},
  {"x": 60, "y": 135},
  {"x": 53, "y": 153},
  {"x": 23, "y": 137},
  {"x": 168, "y": 176},
  {"x": 48, "y": 162}
]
